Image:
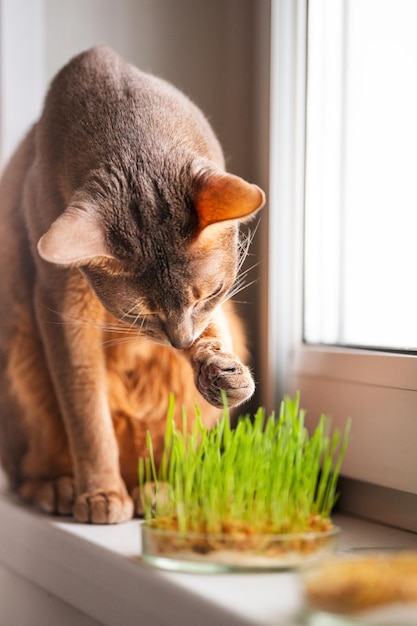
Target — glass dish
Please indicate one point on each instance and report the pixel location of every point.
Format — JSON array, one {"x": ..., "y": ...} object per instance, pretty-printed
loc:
[
  {"x": 194, "y": 552},
  {"x": 379, "y": 588}
]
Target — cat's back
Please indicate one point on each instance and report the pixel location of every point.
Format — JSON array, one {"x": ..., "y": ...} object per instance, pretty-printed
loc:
[
  {"x": 14, "y": 244},
  {"x": 99, "y": 104}
]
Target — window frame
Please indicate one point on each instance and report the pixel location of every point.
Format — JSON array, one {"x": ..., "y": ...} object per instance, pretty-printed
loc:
[{"x": 377, "y": 389}]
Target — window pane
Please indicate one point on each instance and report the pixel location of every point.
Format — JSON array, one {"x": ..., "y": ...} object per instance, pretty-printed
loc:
[{"x": 361, "y": 174}]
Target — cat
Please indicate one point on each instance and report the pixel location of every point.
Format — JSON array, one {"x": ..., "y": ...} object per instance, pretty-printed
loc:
[{"x": 120, "y": 245}]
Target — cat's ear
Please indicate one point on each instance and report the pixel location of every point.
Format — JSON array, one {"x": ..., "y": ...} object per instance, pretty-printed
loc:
[
  {"x": 74, "y": 237},
  {"x": 220, "y": 197}
]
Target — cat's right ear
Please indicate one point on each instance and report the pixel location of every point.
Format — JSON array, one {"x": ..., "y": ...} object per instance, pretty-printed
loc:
[
  {"x": 221, "y": 197},
  {"x": 74, "y": 237}
]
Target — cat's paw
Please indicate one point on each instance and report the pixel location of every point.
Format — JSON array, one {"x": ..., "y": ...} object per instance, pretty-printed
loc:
[
  {"x": 224, "y": 373},
  {"x": 103, "y": 507},
  {"x": 51, "y": 496}
]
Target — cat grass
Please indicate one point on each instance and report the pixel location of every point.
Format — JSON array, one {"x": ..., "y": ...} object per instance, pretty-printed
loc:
[{"x": 266, "y": 476}]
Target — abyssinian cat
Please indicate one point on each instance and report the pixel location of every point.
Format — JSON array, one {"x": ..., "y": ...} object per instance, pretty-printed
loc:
[{"x": 120, "y": 249}]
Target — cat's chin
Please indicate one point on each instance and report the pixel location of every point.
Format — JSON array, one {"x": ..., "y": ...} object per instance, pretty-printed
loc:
[
  {"x": 162, "y": 340},
  {"x": 159, "y": 340}
]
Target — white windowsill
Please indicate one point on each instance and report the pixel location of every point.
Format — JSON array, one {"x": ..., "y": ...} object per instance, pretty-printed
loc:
[{"x": 97, "y": 571}]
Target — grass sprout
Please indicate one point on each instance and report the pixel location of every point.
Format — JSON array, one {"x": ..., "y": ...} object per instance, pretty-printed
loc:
[{"x": 265, "y": 476}]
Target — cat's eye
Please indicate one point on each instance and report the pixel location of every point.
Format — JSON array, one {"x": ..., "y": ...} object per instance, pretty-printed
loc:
[
  {"x": 205, "y": 298},
  {"x": 216, "y": 292},
  {"x": 205, "y": 301}
]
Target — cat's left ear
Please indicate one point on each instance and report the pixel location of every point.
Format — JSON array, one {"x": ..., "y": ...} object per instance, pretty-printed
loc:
[
  {"x": 220, "y": 197},
  {"x": 74, "y": 237}
]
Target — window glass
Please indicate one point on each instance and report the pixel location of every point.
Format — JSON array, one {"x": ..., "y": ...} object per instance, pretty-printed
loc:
[{"x": 361, "y": 174}]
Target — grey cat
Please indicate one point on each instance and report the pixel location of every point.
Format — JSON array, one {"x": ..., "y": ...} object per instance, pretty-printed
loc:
[{"x": 119, "y": 236}]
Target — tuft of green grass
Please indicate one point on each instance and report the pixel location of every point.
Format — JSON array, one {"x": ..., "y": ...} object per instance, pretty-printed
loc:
[{"x": 265, "y": 476}]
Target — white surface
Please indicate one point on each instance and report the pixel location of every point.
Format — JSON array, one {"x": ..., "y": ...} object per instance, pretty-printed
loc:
[
  {"x": 97, "y": 570},
  {"x": 25, "y": 604}
]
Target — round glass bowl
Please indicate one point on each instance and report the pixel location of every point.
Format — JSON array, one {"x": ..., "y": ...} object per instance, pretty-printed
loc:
[
  {"x": 194, "y": 552},
  {"x": 372, "y": 589}
]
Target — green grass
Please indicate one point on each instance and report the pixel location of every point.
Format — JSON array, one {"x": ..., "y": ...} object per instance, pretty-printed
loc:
[{"x": 267, "y": 475}]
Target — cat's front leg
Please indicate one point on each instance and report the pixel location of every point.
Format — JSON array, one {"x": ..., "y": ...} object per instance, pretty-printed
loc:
[
  {"x": 216, "y": 367},
  {"x": 76, "y": 363}
]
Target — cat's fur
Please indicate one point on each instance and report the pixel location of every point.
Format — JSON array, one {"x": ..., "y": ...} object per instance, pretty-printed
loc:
[{"x": 119, "y": 245}]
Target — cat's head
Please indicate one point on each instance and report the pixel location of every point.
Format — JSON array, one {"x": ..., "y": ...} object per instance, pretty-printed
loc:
[{"x": 159, "y": 257}]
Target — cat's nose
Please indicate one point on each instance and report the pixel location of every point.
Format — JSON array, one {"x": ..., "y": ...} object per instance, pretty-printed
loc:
[
  {"x": 181, "y": 344},
  {"x": 180, "y": 335}
]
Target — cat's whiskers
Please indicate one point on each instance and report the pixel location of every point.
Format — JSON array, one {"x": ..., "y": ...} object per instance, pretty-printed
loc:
[
  {"x": 240, "y": 283},
  {"x": 136, "y": 312},
  {"x": 133, "y": 319},
  {"x": 244, "y": 244},
  {"x": 128, "y": 328},
  {"x": 116, "y": 341},
  {"x": 128, "y": 333},
  {"x": 86, "y": 322},
  {"x": 135, "y": 309},
  {"x": 240, "y": 287}
]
